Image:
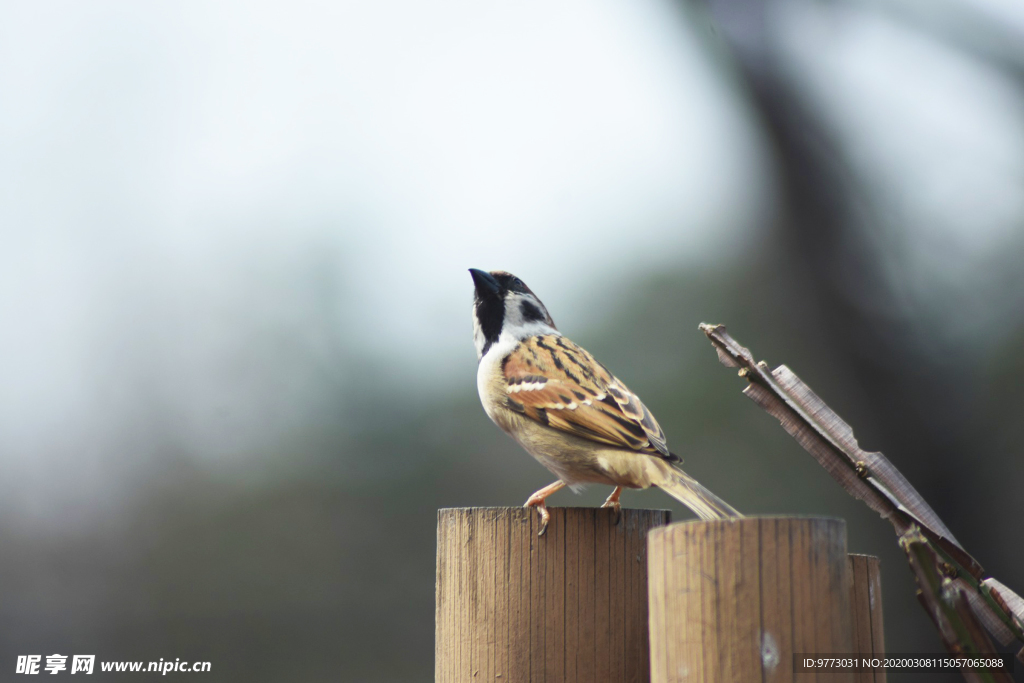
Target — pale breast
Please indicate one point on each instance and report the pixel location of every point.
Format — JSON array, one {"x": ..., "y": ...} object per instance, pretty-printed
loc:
[{"x": 490, "y": 383}]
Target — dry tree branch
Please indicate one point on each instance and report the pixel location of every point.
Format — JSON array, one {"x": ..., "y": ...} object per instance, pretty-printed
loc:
[
  {"x": 950, "y": 610},
  {"x": 932, "y": 549}
]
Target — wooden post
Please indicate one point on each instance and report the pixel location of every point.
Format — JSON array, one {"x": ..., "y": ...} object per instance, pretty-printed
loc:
[
  {"x": 866, "y": 612},
  {"x": 567, "y": 606},
  {"x": 732, "y": 601}
]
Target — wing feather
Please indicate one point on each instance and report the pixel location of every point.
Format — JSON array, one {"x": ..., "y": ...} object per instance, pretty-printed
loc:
[{"x": 558, "y": 383}]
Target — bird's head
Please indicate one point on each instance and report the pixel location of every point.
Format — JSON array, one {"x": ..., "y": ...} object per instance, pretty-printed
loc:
[{"x": 504, "y": 306}]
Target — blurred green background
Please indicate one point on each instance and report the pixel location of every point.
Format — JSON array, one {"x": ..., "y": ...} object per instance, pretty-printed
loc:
[{"x": 237, "y": 375}]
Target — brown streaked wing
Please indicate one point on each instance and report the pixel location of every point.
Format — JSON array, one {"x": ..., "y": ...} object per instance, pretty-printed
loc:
[
  {"x": 556, "y": 382},
  {"x": 632, "y": 406}
]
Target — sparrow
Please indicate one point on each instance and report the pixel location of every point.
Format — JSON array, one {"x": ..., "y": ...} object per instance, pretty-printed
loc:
[{"x": 565, "y": 408}]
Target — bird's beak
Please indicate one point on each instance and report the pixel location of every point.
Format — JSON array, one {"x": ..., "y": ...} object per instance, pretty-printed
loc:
[{"x": 486, "y": 285}]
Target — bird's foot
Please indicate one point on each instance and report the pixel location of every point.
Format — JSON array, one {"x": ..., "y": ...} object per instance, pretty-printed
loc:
[
  {"x": 613, "y": 502},
  {"x": 537, "y": 501},
  {"x": 545, "y": 516}
]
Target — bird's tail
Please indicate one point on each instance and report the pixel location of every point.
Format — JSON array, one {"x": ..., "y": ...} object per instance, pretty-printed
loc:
[{"x": 693, "y": 495}]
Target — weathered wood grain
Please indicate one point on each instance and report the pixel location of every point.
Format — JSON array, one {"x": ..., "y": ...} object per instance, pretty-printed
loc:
[
  {"x": 731, "y": 601},
  {"x": 567, "y": 606},
  {"x": 866, "y": 612}
]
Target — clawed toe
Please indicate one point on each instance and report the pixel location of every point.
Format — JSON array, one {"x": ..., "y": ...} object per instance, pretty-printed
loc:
[
  {"x": 542, "y": 511},
  {"x": 618, "y": 511},
  {"x": 545, "y": 517},
  {"x": 537, "y": 500},
  {"x": 613, "y": 502}
]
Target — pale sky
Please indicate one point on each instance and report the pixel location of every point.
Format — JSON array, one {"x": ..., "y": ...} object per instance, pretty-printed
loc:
[
  {"x": 184, "y": 182},
  {"x": 178, "y": 141}
]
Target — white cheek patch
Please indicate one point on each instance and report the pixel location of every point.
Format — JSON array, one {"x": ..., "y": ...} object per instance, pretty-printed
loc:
[{"x": 516, "y": 325}]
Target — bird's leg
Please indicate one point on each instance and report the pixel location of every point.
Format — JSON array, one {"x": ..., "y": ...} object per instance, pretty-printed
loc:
[
  {"x": 613, "y": 502},
  {"x": 537, "y": 500}
]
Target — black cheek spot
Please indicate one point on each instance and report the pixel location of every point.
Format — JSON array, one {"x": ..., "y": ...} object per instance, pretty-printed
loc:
[{"x": 531, "y": 313}]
